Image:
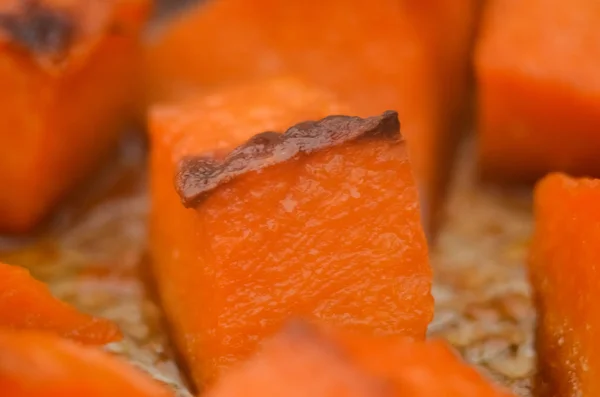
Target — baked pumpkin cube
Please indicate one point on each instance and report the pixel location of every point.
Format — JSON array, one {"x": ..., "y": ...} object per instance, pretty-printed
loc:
[
  {"x": 67, "y": 78},
  {"x": 539, "y": 90},
  {"x": 404, "y": 55},
  {"x": 43, "y": 365},
  {"x": 322, "y": 220},
  {"x": 305, "y": 361},
  {"x": 564, "y": 275},
  {"x": 27, "y": 304}
]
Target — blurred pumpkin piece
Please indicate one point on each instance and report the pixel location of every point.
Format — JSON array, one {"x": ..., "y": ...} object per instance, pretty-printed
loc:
[
  {"x": 67, "y": 88},
  {"x": 305, "y": 361},
  {"x": 564, "y": 273},
  {"x": 27, "y": 304},
  {"x": 43, "y": 365},
  {"x": 539, "y": 89}
]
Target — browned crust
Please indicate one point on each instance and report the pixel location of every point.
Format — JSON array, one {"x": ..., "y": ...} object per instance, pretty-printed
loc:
[
  {"x": 40, "y": 29},
  {"x": 199, "y": 175}
]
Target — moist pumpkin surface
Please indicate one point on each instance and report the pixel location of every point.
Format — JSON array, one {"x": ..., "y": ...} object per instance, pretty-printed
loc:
[{"x": 259, "y": 239}]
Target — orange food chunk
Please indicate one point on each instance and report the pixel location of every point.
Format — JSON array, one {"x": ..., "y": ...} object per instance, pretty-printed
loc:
[
  {"x": 303, "y": 361},
  {"x": 322, "y": 221},
  {"x": 539, "y": 89},
  {"x": 26, "y": 303},
  {"x": 408, "y": 55},
  {"x": 564, "y": 275},
  {"x": 67, "y": 72},
  {"x": 41, "y": 365}
]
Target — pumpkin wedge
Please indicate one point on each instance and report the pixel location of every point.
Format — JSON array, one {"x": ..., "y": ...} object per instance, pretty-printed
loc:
[
  {"x": 321, "y": 220},
  {"x": 564, "y": 276},
  {"x": 67, "y": 80},
  {"x": 27, "y": 304},
  {"x": 539, "y": 92},
  {"x": 303, "y": 360},
  {"x": 42, "y": 365}
]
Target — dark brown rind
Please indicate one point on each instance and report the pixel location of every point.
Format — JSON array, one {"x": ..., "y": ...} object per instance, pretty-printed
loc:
[
  {"x": 199, "y": 175},
  {"x": 40, "y": 29}
]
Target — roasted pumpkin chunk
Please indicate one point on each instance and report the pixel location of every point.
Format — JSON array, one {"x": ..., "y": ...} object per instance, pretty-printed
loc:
[
  {"x": 322, "y": 220},
  {"x": 42, "y": 365},
  {"x": 539, "y": 89},
  {"x": 404, "y": 55},
  {"x": 67, "y": 73},
  {"x": 305, "y": 361},
  {"x": 27, "y": 304},
  {"x": 564, "y": 275}
]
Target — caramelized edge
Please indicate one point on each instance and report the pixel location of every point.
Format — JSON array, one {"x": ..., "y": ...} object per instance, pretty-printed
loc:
[
  {"x": 200, "y": 175},
  {"x": 41, "y": 29}
]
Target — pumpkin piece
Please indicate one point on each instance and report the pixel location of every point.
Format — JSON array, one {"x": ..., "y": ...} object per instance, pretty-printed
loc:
[
  {"x": 404, "y": 55},
  {"x": 321, "y": 221},
  {"x": 305, "y": 361},
  {"x": 27, "y": 304},
  {"x": 539, "y": 90},
  {"x": 564, "y": 275},
  {"x": 42, "y": 365},
  {"x": 67, "y": 84}
]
